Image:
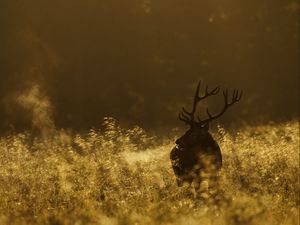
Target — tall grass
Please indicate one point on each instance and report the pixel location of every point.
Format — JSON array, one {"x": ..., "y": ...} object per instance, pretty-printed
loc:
[{"x": 124, "y": 176}]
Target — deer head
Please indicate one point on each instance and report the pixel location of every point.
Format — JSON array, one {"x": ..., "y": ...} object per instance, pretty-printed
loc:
[{"x": 199, "y": 128}]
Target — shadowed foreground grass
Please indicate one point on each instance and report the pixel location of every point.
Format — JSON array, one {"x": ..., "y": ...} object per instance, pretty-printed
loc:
[{"x": 118, "y": 176}]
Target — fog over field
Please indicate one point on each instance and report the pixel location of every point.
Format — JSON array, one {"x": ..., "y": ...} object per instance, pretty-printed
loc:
[{"x": 139, "y": 60}]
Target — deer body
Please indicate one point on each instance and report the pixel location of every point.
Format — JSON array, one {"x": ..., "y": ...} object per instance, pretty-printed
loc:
[
  {"x": 189, "y": 161},
  {"x": 196, "y": 153}
]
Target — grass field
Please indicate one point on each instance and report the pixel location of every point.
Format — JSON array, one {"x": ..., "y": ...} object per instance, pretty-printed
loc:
[{"x": 123, "y": 176}]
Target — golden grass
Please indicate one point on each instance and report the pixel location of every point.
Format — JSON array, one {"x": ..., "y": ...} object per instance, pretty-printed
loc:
[{"x": 118, "y": 176}]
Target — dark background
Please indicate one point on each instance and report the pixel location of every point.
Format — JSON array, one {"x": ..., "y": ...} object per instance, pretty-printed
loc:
[{"x": 139, "y": 60}]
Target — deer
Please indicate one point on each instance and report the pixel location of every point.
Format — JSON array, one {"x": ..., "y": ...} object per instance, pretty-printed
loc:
[{"x": 196, "y": 154}]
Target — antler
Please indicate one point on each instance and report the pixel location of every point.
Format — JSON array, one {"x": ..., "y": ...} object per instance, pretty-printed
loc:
[
  {"x": 189, "y": 117},
  {"x": 236, "y": 96}
]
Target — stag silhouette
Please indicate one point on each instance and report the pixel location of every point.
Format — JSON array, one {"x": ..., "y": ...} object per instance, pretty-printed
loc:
[{"x": 196, "y": 154}]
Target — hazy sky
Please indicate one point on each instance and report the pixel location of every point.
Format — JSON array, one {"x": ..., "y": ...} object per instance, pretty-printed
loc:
[{"x": 139, "y": 60}]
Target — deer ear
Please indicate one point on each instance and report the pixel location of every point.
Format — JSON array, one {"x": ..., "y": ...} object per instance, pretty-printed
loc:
[{"x": 206, "y": 126}]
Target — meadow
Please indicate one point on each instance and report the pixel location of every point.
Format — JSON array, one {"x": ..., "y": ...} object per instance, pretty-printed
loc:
[{"x": 119, "y": 176}]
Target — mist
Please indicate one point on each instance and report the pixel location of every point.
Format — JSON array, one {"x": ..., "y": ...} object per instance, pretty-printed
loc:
[{"x": 139, "y": 61}]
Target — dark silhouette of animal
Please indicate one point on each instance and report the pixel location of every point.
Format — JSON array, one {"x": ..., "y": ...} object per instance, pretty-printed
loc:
[{"x": 196, "y": 154}]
